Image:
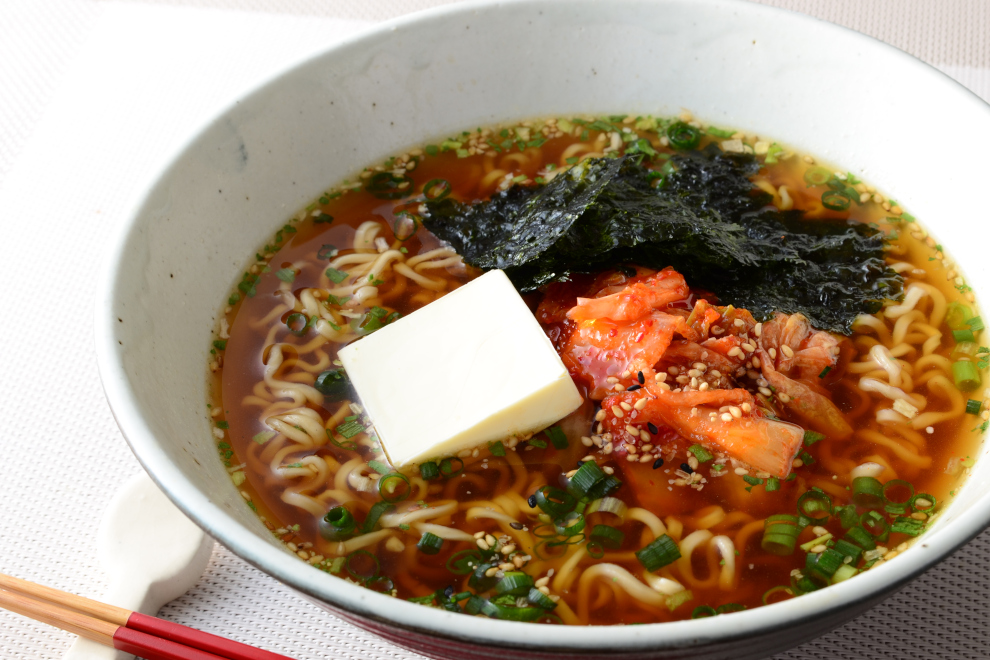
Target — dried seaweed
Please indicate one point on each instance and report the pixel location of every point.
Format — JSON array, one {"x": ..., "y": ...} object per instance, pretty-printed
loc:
[{"x": 706, "y": 219}]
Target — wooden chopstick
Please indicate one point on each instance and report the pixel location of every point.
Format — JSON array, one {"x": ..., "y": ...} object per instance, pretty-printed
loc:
[{"x": 133, "y": 632}]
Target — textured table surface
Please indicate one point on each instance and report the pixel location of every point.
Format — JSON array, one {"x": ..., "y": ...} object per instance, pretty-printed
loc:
[{"x": 93, "y": 96}]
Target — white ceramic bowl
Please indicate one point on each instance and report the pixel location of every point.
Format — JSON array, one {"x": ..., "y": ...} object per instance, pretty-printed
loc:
[{"x": 820, "y": 88}]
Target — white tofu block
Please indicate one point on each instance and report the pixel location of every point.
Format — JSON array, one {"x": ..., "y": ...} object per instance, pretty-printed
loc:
[{"x": 472, "y": 367}]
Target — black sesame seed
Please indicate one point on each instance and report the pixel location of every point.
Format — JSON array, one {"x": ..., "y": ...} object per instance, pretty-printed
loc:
[
  {"x": 687, "y": 468},
  {"x": 657, "y": 464},
  {"x": 449, "y": 591},
  {"x": 633, "y": 388},
  {"x": 516, "y": 525},
  {"x": 641, "y": 378},
  {"x": 653, "y": 428},
  {"x": 532, "y": 501}
]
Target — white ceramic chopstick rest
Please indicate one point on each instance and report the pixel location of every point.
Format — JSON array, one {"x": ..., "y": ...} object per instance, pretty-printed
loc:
[{"x": 151, "y": 552}]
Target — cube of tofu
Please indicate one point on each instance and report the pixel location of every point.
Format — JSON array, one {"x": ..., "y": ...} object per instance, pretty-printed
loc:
[{"x": 470, "y": 368}]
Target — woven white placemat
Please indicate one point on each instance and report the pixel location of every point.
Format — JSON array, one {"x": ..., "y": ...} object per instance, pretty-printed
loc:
[{"x": 93, "y": 95}]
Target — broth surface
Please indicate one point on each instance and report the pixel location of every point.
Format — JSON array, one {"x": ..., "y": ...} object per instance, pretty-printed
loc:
[{"x": 292, "y": 472}]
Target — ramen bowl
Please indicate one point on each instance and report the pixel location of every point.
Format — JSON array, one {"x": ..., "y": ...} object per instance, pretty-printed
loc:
[{"x": 198, "y": 223}]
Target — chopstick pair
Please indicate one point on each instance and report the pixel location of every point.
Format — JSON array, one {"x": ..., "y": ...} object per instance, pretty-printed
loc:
[{"x": 132, "y": 632}]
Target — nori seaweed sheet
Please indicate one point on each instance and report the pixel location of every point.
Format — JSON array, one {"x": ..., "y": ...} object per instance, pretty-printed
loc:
[{"x": 706, "y": 219}]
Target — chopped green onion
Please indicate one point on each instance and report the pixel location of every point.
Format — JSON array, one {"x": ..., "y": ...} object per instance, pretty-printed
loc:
[
  {"x": 975, "y": 324},
  {"x": 540, "y": 599},
  {"x": 702, "y": 454},
  {"x": 780, "y": 534},
  {"x": 604, "y": 487},
  {"x": 436, "y": 189},
  {"x": 537, "y": 441},
  {"x": 429, "y": 470},
  {"x": 720, "y": 132},
  {"x": 847, "y": 515},
  {"x": 607, "y": 536},
  {"x": 287, "y": 275},
  {"x": 811, "y": 437},
  {"x": 504, "y": 613},
  {"x": 893, "y": 503},
  {"x": 496, "y": 448},
  {"x": 553, "y": 501},
  {"x": 338, "y": 524},
  {"x": 447, "y": 468},
  {"x": 867, "y": 492},
  {"x": 848, "y": 549},
  {"x": 354, "y": 562},
  {"x": 350, "y": 428},
  {"x": 474, "y": 605},
  {"x": 332, "y": 383},
  {"x": 844, "y": 572},
  {"x": 297, "y": 323},
  {"x": 659, "y": 553},
  {"x": 376, "y": 511},
  {"x": 481, "y": 582},
  {"x": 927, "y": 502},
  {"x": 817, "y": 176},
  {"x": 429, "y": 543},
  {"x": 961, "y": 336},
  {"x": 973, "y": 407},
  {"x": 815, "y": 502},
  {"x": 860, "y": 537},
  {"x": 802, "y": 584},
  {"x": 773, "y": 484},
  {"x": 776, "y": 590},
  {"x": 908, "y": 526},
  {"x": 570, "y": 524},
  {"x": 728, "y": 608},
  {"x": 966, "y": 376},
  {"x": 835, "y": 200},
  {"x": 463, "y": 562},
  {"x": 683, "y": 136},
  {"x": 394, "y": 487},
  {"x": 825, "y": 372},
  {"x": 875, "y": 524},
  {"x": 611, "y": 505},
  {"x": 678, "y": 599},
  {"x": 816, "y": 542},
  {"x": 584, "y": 479},
  {"x": 703, "y": 612},
  {"x": 957, "y": 315},
  {"x": 379, "y": 467},
  {"x": 557, "y": 437},
  {"x": 336, "y": 276},
  {"x": 514, "y": 583},
  {"x": 824, "y": 564}
]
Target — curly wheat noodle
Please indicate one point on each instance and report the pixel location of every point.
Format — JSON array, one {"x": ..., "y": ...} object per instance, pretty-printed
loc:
[
  {"x": 620, "y": 576},
  {"x": 685, "y": 567}
]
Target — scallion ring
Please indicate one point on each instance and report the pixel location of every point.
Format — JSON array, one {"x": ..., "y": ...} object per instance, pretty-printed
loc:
[
  {"x": 897, "y": 495},
  {"x": 773, "y": 591},
  {"x": 868, "y": 492},
  {"x": 394, "y": 487},
  {"x": 463, "y": 562},
  {"x": 569, "y": 524},
  {"x": 816, "y": 505},
  {"x": 405, "y": 226},
  {"x": 607, "y": 536},
  {"x": 338, "y": 524},
  {"x": 380, "y": 583},
  {"x": 683, "y": 136},
  {"x": 447, "y": 468},
  {"x": 437, "y": 189},
  {"x": 297, "y": 323},
  {"x": 728, "y": 608},
  {"x": 595, "y": 550},
  {"x": 554, "y": 501},
  {"x": 817, "y": 176},
  {"x": 429, "y": 543},
  {"x": 835, "y": 200},
  {"x": 703, "y": 612},
  {"x": 362, "y": 565},
  {"x": 923, "y": 502}
]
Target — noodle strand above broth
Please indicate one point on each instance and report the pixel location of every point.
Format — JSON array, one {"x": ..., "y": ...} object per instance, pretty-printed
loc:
[{"x": 610, "y": 516}]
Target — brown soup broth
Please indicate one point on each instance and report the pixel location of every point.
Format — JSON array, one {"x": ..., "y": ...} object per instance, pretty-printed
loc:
[{"x": 727, "y": 505}]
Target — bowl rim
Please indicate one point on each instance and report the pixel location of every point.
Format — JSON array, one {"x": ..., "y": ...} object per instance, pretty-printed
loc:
[{"x": 337, "y": 593}]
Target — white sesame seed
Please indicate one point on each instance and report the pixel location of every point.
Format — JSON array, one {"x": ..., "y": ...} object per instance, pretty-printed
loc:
[
  {"x": 765, "y": 392},
  {"x": 773, "y": 353},
  {"x": 600, "y": 416},
  {"x": 758, "y": 330},
  {"x": 726, "y": 417},
  {"x": 625, "y": 406},
  {"x": 632, "y": 430},
  {"x": 640, "y": 403},
  {"x": 787, "y": 351},
  {"x": 735, "y": 411},
  {"x": 617, "y": 411}
]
